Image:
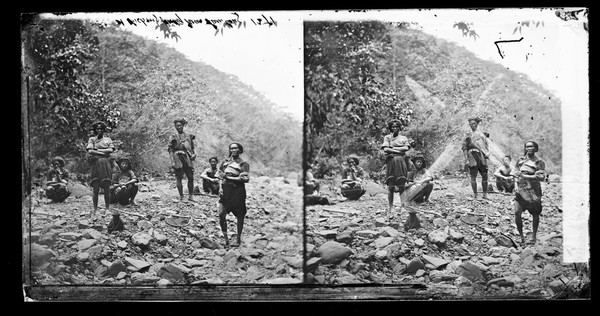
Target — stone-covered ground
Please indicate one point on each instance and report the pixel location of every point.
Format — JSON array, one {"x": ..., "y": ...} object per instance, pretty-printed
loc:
[
  {"x": 166, "y": 241},
  {"x": 460, "y": 251}
]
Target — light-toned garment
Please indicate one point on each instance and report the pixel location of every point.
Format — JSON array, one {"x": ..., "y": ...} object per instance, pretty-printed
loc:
[
  {"x": 420, "y": 174},
  {"x": 528, "y": 193},
  {"x": 101, "y": 165},
  {"x": 182, "y": 146},
  {"x": 478, "y": 140},
  {"x": 103, "y": 143},
  {"x": 397, "y": 165},
  {"x": 391, "y": 141},
  {"x": 233, "y": 196}
]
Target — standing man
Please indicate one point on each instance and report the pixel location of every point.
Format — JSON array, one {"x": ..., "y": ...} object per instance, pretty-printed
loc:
[
  {"x": 181, "y": 150},
  {"x": 476, "y": 150}
]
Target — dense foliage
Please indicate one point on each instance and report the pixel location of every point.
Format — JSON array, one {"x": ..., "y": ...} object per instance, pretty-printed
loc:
[
  {"x": 360, "y": 75},
  {"x": 348, "y": 104},
  {"x": 80, "y": 72}
]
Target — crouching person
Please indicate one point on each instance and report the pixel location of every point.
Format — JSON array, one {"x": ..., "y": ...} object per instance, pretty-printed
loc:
[
  {"x": 352, "y": 179},
  {"x": 56, "y": 185},
  {"x": 210, "y": 178},
  {"x": 124, "y": 187},
  {"x": 420, "y": 183}
]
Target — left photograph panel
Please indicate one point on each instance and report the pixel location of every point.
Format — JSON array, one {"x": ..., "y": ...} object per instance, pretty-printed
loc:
[{"x": 161, "y": 149}]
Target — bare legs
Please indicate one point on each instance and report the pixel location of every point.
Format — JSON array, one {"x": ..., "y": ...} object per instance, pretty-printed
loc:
[
  {"x": 391, "y": 193},
  {"x": 484, "y": 181},
  {"x": 390, "y": 199},
  {"x": 223, "y": 224},
  {"x": 180, "y": 187},
  {"x": 474, "y": 185},
  {"x": 190, "y": 185},
  {"x": 519, "y": 222},
  {"x": 96, "y": 192}
]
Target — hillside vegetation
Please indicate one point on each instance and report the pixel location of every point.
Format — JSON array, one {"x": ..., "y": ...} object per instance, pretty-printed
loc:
[
  {"x": 79, "y": 72},
  {"x": 361, "y": 75}
]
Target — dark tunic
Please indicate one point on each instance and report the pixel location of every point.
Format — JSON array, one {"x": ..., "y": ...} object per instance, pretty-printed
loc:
[
  {"x": 233, "y": 197},
  {"x": 182, "y": 146},
  {"x": 352, "y": 189},
  {"x": 56, "y": 187}
]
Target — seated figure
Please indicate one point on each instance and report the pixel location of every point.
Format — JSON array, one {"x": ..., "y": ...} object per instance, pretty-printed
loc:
[
  {"x": 419, "y": 186},
  {"x": 352, "y": 177},
  {"x": 124, "y": 187},
  {"x": 56, "y": 185}
]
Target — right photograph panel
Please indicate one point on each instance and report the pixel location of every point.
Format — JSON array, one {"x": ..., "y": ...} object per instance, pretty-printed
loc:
[{"x": 434, "y": 150}]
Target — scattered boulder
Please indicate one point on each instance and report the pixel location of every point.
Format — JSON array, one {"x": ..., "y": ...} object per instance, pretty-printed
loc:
[
  {"x": 144, "y": 225},
  {"x": 456, "y": 235},
  {"x": 470, "y": 271},
  {"x": 344, "y": 237},
  {"x": 141, "y": 240},
  {"x": 381, "y": 254},
  {"x": 91, "y": 233},
  {"x": 383, "y": 241},
  {"x": 330, "y": 233},
  {"x": 115, "y": 268},
  {"x": 437, "y": 276},
  {"x": 137, "y": 264},
  {"x": 144, "y": 279},
  {"x": 312, "y": 264},
  {"x": 209, "y": 243},
  {"x": 41, "y": 254},
  {"x": 437, "y": 237},
  {"x": 333, "y": 252},
  {"x": 415, "y": 265},
  {"x": 73, "y": 236},
  {"x": 380, "y": 222},
  {"x": 162, "y": 283},
  {"x": 434, "y": 261},
  {"x": 173, "y": 272},
  {"x": 85, "y": 244},
  {"x": 83, "y": 256},
  {"x": 490, "y": 260},
  {"x": 388, "y": 231},
  {"x": 419, "y": 242},
  {"x": 367, "y": 233},
  {"x": 440, "y": 222}
]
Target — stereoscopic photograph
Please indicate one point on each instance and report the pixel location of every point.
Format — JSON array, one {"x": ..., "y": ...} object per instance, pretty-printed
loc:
[
  {"x": 438, "y": 153},
  {"x": 398, "y": 154}
]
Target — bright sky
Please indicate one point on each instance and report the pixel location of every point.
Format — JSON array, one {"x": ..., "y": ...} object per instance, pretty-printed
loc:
[{"x": 556, "y": 55}]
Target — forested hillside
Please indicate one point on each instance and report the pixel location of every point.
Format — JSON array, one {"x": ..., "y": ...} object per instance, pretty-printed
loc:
[
  {"x": 361, "y": 75},
  {"x": 79, "y": 72}
]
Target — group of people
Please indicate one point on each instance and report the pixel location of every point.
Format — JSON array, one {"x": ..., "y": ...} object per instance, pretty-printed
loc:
[
  {"x": 524, "y": 180},
  {"x": 120, "y": 184},
  {"x": 232, "y": 175},
  {"x": 410, "y": 178}
]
